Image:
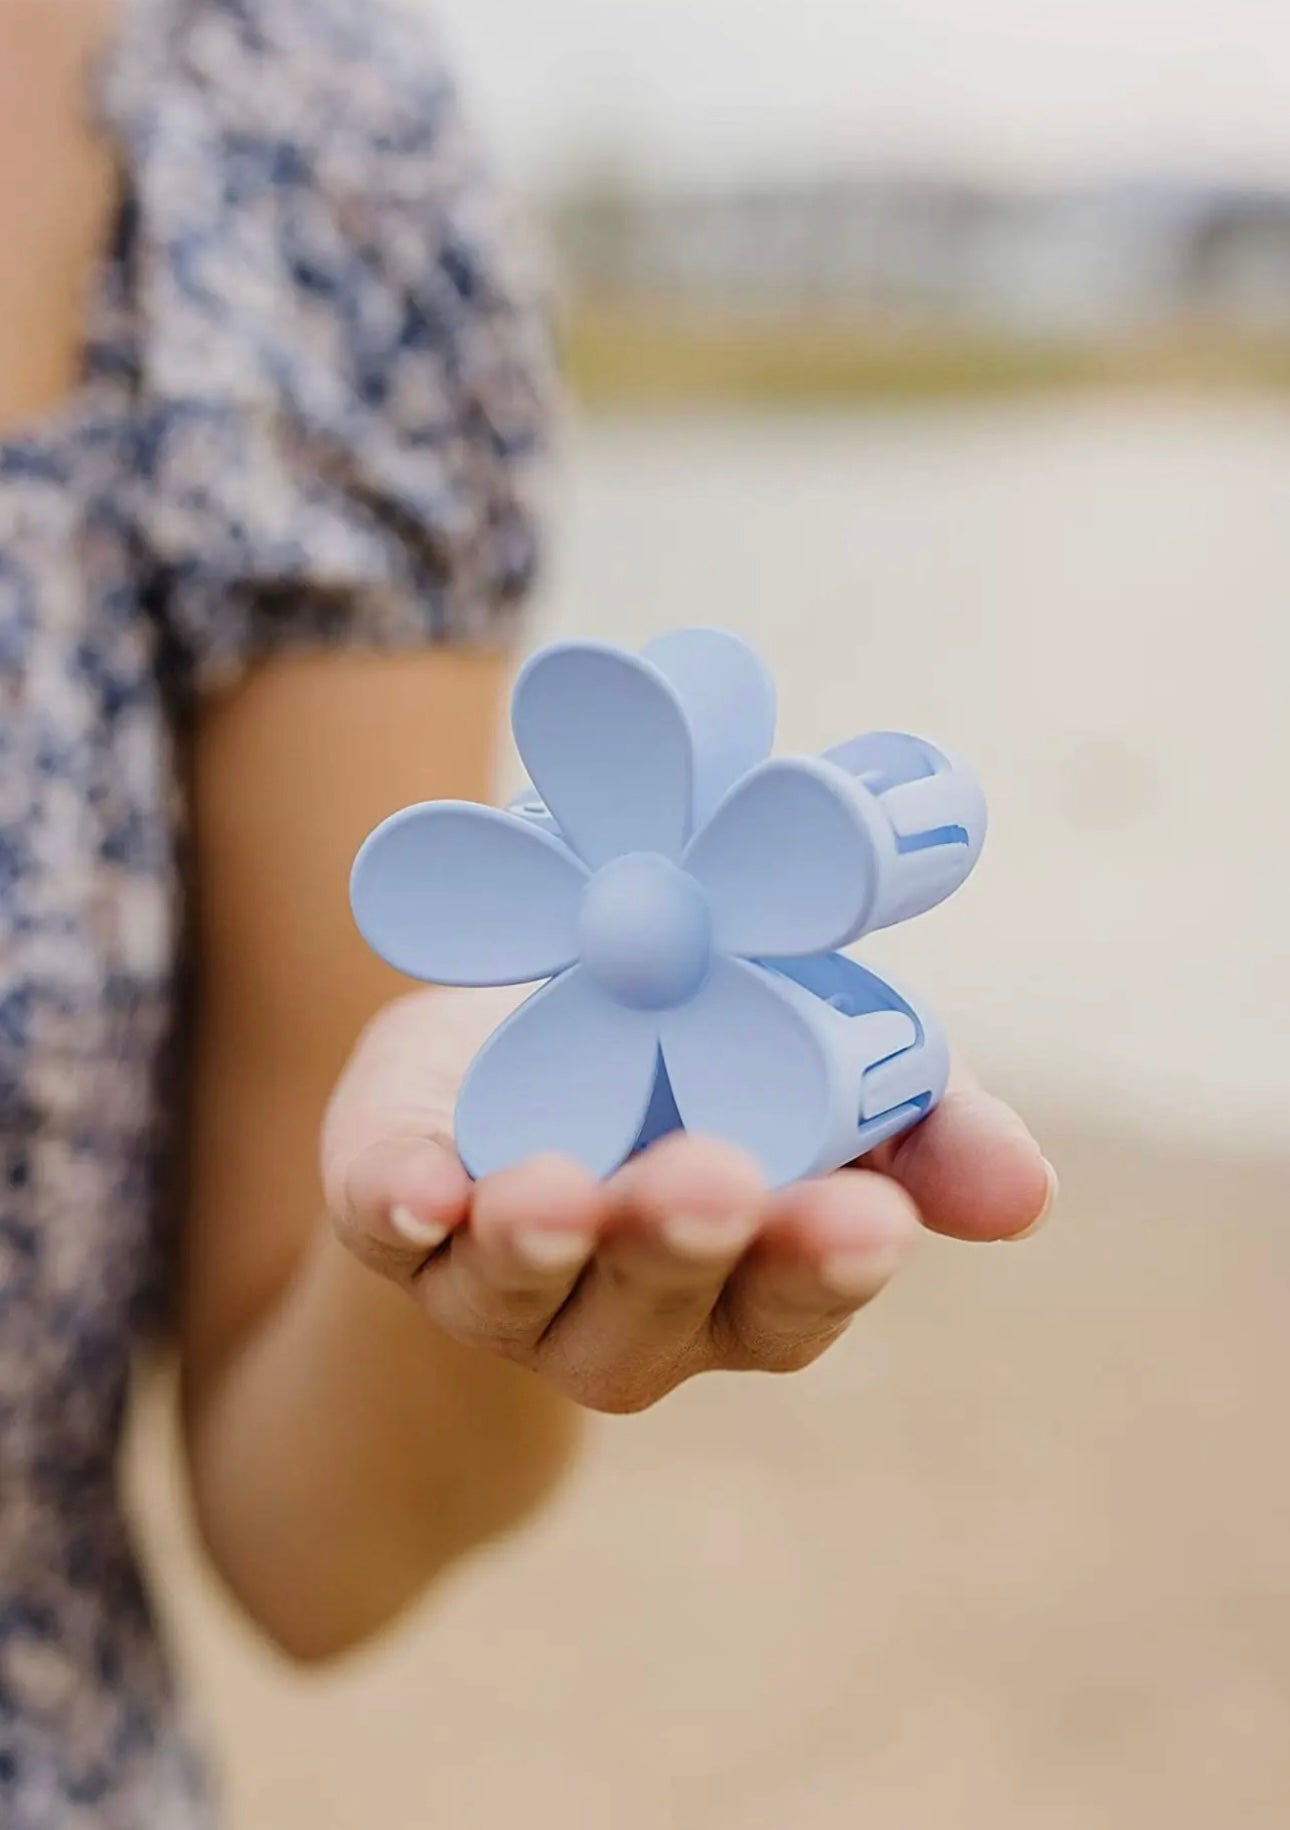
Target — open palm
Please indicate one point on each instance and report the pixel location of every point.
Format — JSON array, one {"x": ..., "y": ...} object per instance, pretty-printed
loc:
[{"x": 681, "y": 1263}]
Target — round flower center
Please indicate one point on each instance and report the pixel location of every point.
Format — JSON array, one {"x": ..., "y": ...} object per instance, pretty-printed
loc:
[{"x": 645, "y": 932}]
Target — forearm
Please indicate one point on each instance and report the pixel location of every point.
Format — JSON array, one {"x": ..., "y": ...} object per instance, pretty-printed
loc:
[
  {"x": 347, "y": 1452},
  {"x": 343, "y": 1451}
]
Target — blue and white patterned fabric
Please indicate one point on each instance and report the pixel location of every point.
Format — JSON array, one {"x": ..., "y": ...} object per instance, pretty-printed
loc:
[{"x": 310, "y": 415}]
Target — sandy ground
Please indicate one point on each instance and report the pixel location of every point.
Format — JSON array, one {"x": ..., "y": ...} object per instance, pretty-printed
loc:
[{"x": 1017, "y": 1556}]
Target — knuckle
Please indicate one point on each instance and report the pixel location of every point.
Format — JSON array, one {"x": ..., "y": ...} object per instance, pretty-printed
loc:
[
  {"x": 372, "y": 1252},
  {"x": 612, "y": 1399},
  {"x": 616, "y": 1391},
  {"x": 510, "y": 1329},
  {"x": 782, "y": 1349},
  {"x": 670, "y": 1306},
  {"x": 786, "y": 1357},
  {"x": 656, "y": 1293}
]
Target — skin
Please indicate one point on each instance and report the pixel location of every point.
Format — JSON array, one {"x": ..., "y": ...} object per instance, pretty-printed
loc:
[
  {"x": 57, "y": 185},
  {"x": 382, "y": 1365}
]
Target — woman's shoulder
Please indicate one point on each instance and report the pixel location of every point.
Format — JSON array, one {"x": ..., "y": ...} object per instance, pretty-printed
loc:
[
  {"x": 320, "y": 142},
  {"x": 321, "y": 40},
  {"x": 299, "y": 83},
  {"x": 340, "y": 353}
]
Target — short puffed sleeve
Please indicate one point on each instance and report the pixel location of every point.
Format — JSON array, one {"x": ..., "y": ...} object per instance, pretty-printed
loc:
[{"x": 340, "y": 352}]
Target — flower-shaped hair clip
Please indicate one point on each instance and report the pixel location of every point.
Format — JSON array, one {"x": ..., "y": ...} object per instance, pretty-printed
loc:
[{"x": 685, "y": 898}]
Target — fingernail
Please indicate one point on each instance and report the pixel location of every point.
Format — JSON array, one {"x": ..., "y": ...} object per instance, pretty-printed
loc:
[
  {"x": 855, "y": 1275},
  {"x": 704, "y": 1236},
  {"x": 551, "y": 1250},
  {"x": 1042, "y": 1218},
  {"x": 424, "y": 1234}
]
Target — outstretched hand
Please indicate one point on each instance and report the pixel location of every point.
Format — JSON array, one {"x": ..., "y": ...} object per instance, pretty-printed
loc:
[{"x": 682, "y": 1263}]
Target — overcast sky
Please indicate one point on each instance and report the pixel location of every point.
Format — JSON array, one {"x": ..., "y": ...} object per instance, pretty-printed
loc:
[{"x": 706, "y": 87}]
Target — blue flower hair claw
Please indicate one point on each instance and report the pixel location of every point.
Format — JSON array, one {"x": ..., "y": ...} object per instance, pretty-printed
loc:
[{"x": 685, "y": 898}]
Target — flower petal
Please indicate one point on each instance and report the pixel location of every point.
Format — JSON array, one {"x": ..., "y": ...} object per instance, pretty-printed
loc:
[
  {"x": 607, "y": 744},
  {"x": 662, "y": 1119},
  {"x": 747, "y": 1066},
  {"x": 791, "y": 860},
  {"x": 569, "y": 1072},
  {"x": 464, "y": 895},
  {"x": 729, "y": 698}
]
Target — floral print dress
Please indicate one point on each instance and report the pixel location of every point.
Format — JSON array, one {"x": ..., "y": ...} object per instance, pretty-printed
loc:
[{"x": 311, "y": 405}]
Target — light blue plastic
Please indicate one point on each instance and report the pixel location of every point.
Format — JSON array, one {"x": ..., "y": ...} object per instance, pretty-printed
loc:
[{"x": 686, "y": 899}]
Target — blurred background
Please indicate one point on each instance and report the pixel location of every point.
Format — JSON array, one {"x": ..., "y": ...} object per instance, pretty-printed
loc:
[{"x": 943, "y": 348}]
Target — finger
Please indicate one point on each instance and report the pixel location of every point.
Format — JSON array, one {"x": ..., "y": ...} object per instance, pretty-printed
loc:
[
  {"x": 973, "y": 1169},
  {"x": 397, "y": 1201},
  {"x": 828, "y": 1249},
  {"x": 532, "y": 1230},
  {"x": 680, "y": 1218}
]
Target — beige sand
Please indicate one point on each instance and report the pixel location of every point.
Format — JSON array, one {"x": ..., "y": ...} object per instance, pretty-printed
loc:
[{"x": 1016, "y": 1557}]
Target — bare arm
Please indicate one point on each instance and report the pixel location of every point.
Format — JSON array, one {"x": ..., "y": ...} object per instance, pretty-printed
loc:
[
  {"x": 336, "y": 1439},
  {"x": 342, "y": 1450}
]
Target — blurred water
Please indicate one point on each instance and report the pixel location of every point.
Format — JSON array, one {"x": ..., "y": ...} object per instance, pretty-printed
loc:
[{"x": 1092, "y": 602}]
